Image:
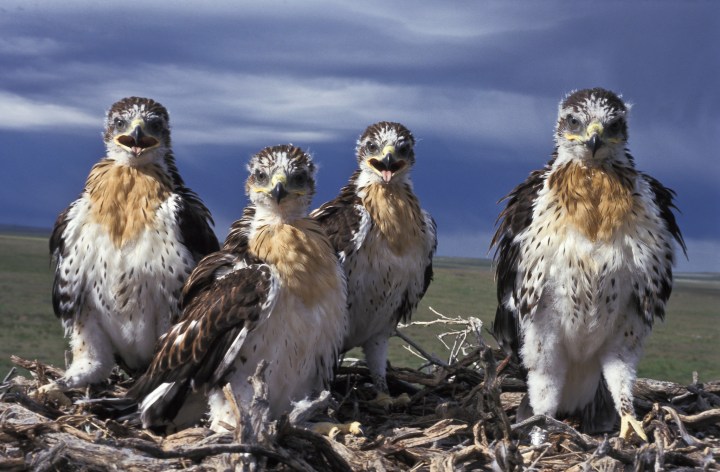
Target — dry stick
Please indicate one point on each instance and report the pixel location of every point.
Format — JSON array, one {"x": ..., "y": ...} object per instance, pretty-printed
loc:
[
  {"x": 553, "y": 425},
  {"x": 660, "y": 454},
  {"x": 689, "y": 440},
  {"x": 9, "y": 375},
  {"x": 337, "y": 457},
  {"x": 701, "y": 419},
  {"x": 510, "y": 453},
  {"x": 260, "y": 405},
  {"x": 540, "y": 456},
  {"x": 200, "y": 452},
  {"x": 306, "y": 409},
  {"x": 427, "y": 356}
]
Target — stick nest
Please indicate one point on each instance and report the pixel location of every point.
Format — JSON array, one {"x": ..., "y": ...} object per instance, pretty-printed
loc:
[{"x": 459, "y": 417}]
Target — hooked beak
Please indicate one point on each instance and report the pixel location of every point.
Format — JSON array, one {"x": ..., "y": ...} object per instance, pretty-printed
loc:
[
  {"x": 594, "y": 143},
  {"x": 137, "y": 140},
  {"x": 278, "y": 192},
  {"x": 389, "y": 165}
]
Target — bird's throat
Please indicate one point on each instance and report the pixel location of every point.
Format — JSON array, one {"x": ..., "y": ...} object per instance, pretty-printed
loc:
[
  {"x": 595, "y": 200},
  {"x": 124, "y": 199}
]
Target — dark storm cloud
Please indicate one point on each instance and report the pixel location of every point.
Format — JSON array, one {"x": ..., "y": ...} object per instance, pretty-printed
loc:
[{"x": 477, "y": 82}]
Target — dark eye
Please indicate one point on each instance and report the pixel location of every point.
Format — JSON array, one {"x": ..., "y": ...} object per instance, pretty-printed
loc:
[
  {"x": 119, "y": 124},
  {"x": 573, "y": 123},
  {"x": 261, "y": 177},
  {"x": 403, "y": 151},
  {"x": 155, "y": 125},
  {"x": 299, "y": 179},
  {"x": 615, "y": 127},
  {"x": 371, "y": 147}
]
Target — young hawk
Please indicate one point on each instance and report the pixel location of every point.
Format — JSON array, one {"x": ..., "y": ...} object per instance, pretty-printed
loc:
[
  {"x": 274, "y": 292},
  {"x": 584, "y": 266},
  {"x": 124, "y": 248},
  {"x": 384, "y": 239}
]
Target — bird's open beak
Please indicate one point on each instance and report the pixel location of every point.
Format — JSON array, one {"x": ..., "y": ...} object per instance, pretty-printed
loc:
[
  {"x": 389, "y": 165},
  {"x": 138, "y": 141}
]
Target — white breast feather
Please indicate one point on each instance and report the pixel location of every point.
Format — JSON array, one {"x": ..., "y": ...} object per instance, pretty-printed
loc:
[
  {"x": 581, "y": 292},
  {"x": 133, "y": 291}
]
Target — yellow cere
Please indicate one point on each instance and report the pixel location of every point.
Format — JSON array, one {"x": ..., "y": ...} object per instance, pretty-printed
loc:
[
  {"x": 281, "y": 178},
  {"x": 388, "y": 150},
  {"x": 594, "y": 128}
]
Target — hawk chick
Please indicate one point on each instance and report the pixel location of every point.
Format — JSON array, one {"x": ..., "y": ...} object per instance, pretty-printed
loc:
[
  {"x": 124, "y": 248},
  {"x": 274, "y": 292},
  {"x": 583, "y": 267},
  {"x": 385, "y": 241}
]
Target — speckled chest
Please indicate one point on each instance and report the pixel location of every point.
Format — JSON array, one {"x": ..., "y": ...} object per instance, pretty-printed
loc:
[
  {"x": 125, "y": 249},
  {"x": 301, "y": 337},
  {"x": 585, "y": 253},
  {"x": 387, "y": 271}
]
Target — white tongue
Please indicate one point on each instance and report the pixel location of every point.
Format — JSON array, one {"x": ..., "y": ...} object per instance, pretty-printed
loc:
[{"x": 386, "y": 175}]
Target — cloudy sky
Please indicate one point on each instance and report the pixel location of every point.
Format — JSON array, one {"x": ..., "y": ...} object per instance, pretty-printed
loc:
[{"x": 477, "y": 82}]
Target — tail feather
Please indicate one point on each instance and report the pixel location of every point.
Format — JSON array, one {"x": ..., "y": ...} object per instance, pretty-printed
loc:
[
  {"x": 174, "y": 405},
  {"x": 600, "y": 415}
]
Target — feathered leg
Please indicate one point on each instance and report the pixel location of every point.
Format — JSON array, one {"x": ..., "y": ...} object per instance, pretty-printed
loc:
[
  {"x": 546, "y": 362},
  {"x": 376, "y": 353},
  {"x": 620, "y": 376},
  {"x": 92, "y": 361},
  {"x": 92, "y": 353}
]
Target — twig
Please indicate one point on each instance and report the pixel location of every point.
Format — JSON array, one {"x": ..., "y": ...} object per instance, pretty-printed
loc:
[
  {"x": 200, "y": 452},
  {"x": 415, "y": 345},
  {"x": 553, "y": 425}
]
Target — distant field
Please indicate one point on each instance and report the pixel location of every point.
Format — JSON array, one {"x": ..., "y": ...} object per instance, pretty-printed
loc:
[{"x": 687, "y": 341}]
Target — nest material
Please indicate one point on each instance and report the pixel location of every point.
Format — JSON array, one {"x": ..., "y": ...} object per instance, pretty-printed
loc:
[{"x": 459, "y": 417}]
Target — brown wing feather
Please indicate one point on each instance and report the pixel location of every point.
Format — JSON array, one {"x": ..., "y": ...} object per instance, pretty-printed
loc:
[
  {"x": 653, "y": 297},
  {"x": 222, "y": 305},
  {"x": 64, "y": 298},
  {"x": 513, "y": 220},
  {"x": 340, "y": 218}
]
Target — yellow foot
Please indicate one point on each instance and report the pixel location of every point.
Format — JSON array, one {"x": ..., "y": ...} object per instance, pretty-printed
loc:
[
  {"x": 333, "y": 429},
  {"x": 629, "y": 425},
  {"x": 386, "y": 401},
  {"x": 54, "y": 393}
]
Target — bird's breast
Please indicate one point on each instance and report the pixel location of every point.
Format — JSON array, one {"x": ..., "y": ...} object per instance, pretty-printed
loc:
[
  {"x": 303, "y": 257},
  {"x": 596, "y": 201},
  {"x": 125, "y": 200},
  {"x": 395, "y": 212}
]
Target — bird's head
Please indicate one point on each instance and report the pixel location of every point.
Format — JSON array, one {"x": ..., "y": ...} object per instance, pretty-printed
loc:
[
  {"x": 137, "y": 131},
  {"x": 281, "y": 181},
  {"x": 385, "y": 153},
  {"x": 592, "y": 127}
]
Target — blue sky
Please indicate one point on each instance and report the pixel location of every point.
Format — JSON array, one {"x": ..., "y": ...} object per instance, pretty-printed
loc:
[{"x": 477, "y": 82}]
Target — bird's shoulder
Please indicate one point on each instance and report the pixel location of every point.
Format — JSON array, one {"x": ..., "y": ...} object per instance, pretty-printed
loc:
[
  {"x": 516, "y": 217},
  {"x": 234, "y": 254},
  {"x": 663, "y": 199},
  {"x": 194, "y": 218},
  {"x": 518, "y": 212},
  {"x": 344, "y": 219}
]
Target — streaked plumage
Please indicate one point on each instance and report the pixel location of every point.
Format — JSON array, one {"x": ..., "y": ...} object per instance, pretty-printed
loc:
[
  {"x": 274, "y": 292},
  {"x": 124, "y": 248},
  {"x": 584, "y": 266},
  {"x": 385, "y": 240}
]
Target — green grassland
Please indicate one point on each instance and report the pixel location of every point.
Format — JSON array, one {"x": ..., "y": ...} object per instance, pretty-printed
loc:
[{"x": 687, "y": 341}]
